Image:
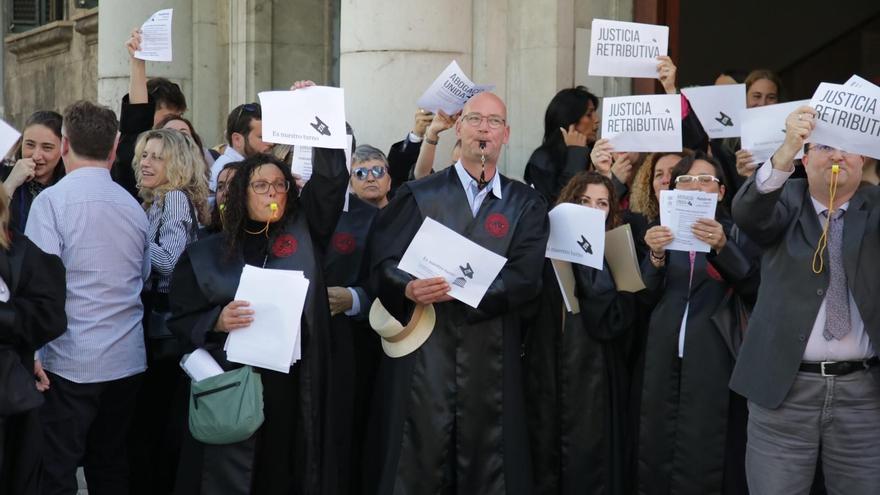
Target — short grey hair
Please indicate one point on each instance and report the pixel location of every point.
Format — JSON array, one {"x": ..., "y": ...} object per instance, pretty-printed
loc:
[{"x": 366, "y": 153}]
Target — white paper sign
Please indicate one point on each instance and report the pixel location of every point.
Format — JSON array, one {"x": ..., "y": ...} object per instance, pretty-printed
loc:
[
  {"x": 8, "y": 137},
  {"x": 577, "y": 235},
  {"x": 277, "y": 298},
  {"x": 301, "y": 162},
  {"x": 763, "y": 129},
  {"x": 718, "y": 108},
  {"x": 680, "y": 210},
  {"x": 626, "y": 49},
  {"x": 859, "y": 82},
  {"x": 847, "y": 118},
  {"x": 450, "y": 91},
  {"x": 438, "y": 251},
  {"x": 156, "y": 37},
  {"x": 642, "y": 123},
  {"x": 312, "y": 116}
]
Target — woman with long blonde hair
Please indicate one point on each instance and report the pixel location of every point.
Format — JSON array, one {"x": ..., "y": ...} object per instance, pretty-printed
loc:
[{"x": 171, "y": 180}]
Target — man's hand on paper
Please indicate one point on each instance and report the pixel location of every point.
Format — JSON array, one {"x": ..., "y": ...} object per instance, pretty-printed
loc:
[
  {"x": 428, "y": 291},
  {"x": 340, "y": 300},
  {"x": 798, "y": 127},
  {"x": 235, "y": 315},
  {"x": 711, "y": 232},
  {"x": 439, "y": 123},
  {"x": 745, "y": 164},
  {"x": 133, "y": 43},
  {"x": 423, "y": 119}
]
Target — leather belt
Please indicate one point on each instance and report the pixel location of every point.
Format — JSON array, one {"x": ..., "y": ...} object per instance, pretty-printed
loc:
[{"x": 839, "y": 368}]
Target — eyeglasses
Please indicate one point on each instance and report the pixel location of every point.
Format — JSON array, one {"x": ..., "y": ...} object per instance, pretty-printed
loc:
[
  {"x": 262, "y": 187},
  {"x": 475, "y": 119},
  {"x": 250, "y": 107},
  {"x": 825, "y": 149},
  {"x": 702, "y": 179},
  {"x": 362, "y": 173}
]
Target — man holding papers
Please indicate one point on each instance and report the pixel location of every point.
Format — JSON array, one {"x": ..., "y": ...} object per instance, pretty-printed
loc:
[
  {"x": 450, "y": 415},
  {"x": 267, "y": 225},
  {"x": 808, "y": 365}
]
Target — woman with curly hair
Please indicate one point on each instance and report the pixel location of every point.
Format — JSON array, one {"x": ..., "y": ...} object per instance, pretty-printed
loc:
[
  {"x": 266, "y": 224},
  {"x": 578, "y": 375}
]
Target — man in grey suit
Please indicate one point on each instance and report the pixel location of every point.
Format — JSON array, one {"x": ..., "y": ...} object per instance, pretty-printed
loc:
[{"x": 808, "y": 364}]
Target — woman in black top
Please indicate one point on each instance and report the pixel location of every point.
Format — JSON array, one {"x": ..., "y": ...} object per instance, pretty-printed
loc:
[{"x": 39, "y": 165}]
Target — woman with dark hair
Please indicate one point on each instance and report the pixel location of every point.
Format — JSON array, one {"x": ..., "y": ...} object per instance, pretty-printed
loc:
[
  {"x": 32, "y": 296},
  {"x": 266, "y": 224},
  {"x": 578, "y": 375},
  {"x": 692, "y": 429},
  {"x": 39, "y": 165},
  {"x": 570, "y": 125}
]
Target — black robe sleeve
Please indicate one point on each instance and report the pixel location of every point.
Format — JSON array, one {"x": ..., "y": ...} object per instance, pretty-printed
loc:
[
  {"x": 607, "y": 314},
  {"x": 549, "y": 178},
  {"x": 194, "y": 316},
  {"x": 402, "y": 157},
  {"x": 323, "y": 196},
  {"x": 34, "y": 314},
  {"x": 134, "y": 119}
]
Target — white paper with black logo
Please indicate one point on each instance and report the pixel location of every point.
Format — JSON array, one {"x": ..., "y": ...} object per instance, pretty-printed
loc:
[
  {"x": 680, "y": 210},
  {"x": 857, "y": 81},
  {"x": 626, "y": 49},
  {"x": 312, "y": 116},
  {"x": 642, "y": 123},
  {"x": 718, "y": 108},
  {"x": 763, "y": 129},
  {"x": 577, "y": 235},
  {"x": 450, "y": 91},
  {"x": 438, "y": 251},
  {"x": 848, "y": 118}
]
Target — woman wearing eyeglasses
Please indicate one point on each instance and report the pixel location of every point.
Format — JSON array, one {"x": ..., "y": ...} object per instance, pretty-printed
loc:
[
  {"x": 692, "y": 428},
  {"x": 293, "y": 450},
  {"x": 577, "y": 374}
]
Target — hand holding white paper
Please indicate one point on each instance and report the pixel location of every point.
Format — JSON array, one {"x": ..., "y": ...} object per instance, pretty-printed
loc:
[
  {"x": 312, "y": 116},
  {"x": 642, "y": 123},
  {"x": 156, "y": 37},
  {"x": 848, "y": 118},
  {"x": 450, "y": 91},
  {"x": 680, "y": 210},
  {"x": 763, "y": 129},
  {"x": 626, "y": 49},
  {"x": 718, "y": 108}
]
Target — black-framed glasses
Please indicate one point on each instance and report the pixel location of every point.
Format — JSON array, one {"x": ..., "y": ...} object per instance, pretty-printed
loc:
[
  {"x": 262, "y": 187},
  {"x": 691, "y": 179},
  {"x": 250, "y": 107},
  {"x": 362, "y": 173},
  {"x": 475, "y": 119}
]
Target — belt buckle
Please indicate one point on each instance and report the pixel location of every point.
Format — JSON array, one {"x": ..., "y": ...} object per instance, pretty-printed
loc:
[{"x": 822, "y": 368}]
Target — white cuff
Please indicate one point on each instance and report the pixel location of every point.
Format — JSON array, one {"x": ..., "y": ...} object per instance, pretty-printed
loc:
[
  {"x": 413, "y": 138},
  {"x": 355, "y": 303},
  {"x": 769, "y": 179}
]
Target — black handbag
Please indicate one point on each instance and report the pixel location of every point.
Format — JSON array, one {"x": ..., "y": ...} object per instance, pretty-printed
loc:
[
  {"x": 161, "y": 344},
  {"x": 18, "y": 387}
]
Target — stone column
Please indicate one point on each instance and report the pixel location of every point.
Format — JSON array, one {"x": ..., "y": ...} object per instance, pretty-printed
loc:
[
  {"x": 116, "y": 20},
  {"x": 390, "y": 51},
  {"x": 250, "y": 49}
]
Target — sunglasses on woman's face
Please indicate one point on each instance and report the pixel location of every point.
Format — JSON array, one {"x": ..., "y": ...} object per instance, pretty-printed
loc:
[{"x": 362, "y": 173}]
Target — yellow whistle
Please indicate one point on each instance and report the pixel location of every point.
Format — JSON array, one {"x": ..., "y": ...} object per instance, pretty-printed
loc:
[
  {"x": 222, "y": 206},
  {"x": 835, "y": 169},
  {"x": 274, "y": 208}
]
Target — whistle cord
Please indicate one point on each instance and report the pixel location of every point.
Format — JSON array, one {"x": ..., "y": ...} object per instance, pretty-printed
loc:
[{"x": 819, "y": 254}]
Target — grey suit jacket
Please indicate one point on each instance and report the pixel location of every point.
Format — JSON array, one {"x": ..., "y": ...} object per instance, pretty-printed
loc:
[{"x": 784, "y": 223}]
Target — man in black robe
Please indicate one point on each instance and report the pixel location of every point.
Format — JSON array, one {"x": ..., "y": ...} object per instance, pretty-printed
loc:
[{"x": 449, "y": 417}]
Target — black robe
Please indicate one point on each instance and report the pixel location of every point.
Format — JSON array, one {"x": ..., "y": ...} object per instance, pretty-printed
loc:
[
  {"x": 577, "y": 381},
  {"x": 22, "y": 199},
  {"x": 692, "y": 430},
  {"x": 33, "y": 316},
  {"x": 293, "y": 451},
  {"x": 450, "y": 417},
  {"x": 355, "y": 348}
]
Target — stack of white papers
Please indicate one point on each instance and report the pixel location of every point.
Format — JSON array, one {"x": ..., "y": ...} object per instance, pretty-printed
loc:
[
  {"x": 272, "y": 341},
  {"x": 680, "y": 210}
]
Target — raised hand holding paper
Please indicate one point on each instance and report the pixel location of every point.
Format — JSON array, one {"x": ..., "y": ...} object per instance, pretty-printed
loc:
[
  {"x": 312, "y": 116},
  {"x": 156, "y": 37},
  {"x": 763, "y": 129},
  {"x": 577, "y": 234},
  {"x": 679, "y": 210},
  {"x": 626, "y": 49},
  {"x": 450, "y": 91},
  {"x": 438, "y": 251},
  {"x": 642, "y": 123},
  {"x": 847, "y": 118},
  {"x": 718, "y": 108}
]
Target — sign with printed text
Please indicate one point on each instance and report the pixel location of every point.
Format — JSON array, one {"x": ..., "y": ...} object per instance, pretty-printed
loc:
[
  {"x": 577, "y": 235},
  {"x": 450, "y": 91},
  {"x": 156, "y": 45},
  {"x": 642, "y": 123},
  {"x": 312, "y": 116},
  {"x": 847, "y": 118},
  {"x": 626, "y": 49},
  {"x": 718, "y": 108}
]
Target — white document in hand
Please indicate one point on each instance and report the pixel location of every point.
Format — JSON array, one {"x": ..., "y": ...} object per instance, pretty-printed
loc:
[
  {"x": 450, "y": 91},
  {"x": 718, "y": 108},
  {"x": 626, "y": 49},
  {"x": 277, "y": 298},
  {"x": 438, "y": 251},
  {"x": 577, "y": 235},
  {"x": 312, "y": 116},
  {"x": 680, "y": 210},
  {"x": 8, "y": 137},
  {"x": 156, "y": 37},
  {"x": 642, "y": 123},
  {"x": 763, "y": 129}
]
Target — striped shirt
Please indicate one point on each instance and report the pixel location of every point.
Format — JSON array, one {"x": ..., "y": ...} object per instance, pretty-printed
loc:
[
  {"x": 100, "y": 233},
  {"x": 171, "y": 229}
]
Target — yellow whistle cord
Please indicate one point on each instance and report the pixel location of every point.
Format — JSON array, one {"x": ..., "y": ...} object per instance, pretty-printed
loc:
[
  {"x": 819, "y": 254},
  {"x": 265, "y": 230}
]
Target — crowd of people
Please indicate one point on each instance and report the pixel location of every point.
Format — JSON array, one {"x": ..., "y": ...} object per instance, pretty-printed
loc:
[{"x": 739, "y": 370}]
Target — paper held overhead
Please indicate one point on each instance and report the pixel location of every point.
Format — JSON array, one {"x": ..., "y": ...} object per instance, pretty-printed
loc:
[
  {"x": 156, "y": 35},
  {"x": 642, "y": 123},
  {"x": 763, "y": 129},
  {"x": 626, "y": 49},
  {"x": 718, "y": 108},
  {"x": 848, "y": 118},
  {"x": 450, "y": 91},
  {"x": 312, "y": 116}
]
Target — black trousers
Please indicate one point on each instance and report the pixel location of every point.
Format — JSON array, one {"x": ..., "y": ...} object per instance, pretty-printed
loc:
[{"x": 87, "y": 424}]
